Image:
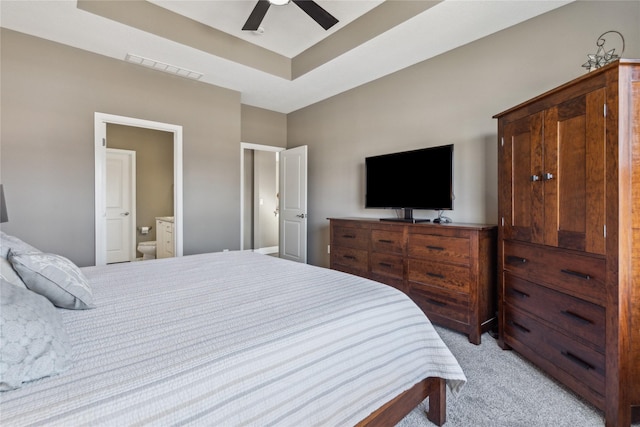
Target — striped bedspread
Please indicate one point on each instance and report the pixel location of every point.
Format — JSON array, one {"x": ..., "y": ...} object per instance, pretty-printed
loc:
[{"x": 234, "y": 338}]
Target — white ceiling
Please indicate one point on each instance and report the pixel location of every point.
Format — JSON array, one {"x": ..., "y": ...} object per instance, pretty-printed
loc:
[{"x": 287, "y": 31}]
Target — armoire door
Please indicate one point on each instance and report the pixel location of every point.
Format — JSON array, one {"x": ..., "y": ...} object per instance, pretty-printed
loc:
[
  {"x": 574, "y": 173},
  {"x": 521, "y": 193}
]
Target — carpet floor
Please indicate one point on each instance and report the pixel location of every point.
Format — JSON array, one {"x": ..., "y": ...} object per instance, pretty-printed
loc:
[{"x": 505, "y": 390}]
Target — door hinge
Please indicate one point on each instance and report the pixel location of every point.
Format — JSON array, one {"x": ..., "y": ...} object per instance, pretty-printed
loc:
[
  {"x": 104, "y": 142},
  {"x": 502, "y": 141},
  {"x": 605, "y": 230},
  {"x": 503, "y": 221},
  {"x": 605, "y": 110}
]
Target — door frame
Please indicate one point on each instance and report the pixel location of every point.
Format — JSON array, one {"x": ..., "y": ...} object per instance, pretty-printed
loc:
[
  {"x": 100, "y": 135},
  {"x": 132, "y": 192},
  {"x": 255, "y": 147}
]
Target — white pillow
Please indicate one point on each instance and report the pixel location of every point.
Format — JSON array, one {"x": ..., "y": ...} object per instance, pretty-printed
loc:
[
  {"x": 33, "y": 341},
  {"x": 54, "y": 277}
]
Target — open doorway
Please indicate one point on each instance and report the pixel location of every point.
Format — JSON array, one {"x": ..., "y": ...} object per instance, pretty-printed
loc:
[
  {"x": 260, "y": 201},
  {"x": 291, "y": 207},
  {"x": 102, "y": 121},
  {"x": 151, "y": 195}
]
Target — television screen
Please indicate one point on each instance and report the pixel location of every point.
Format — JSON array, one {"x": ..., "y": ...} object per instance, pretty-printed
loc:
[{"x": 419, "y": 179}]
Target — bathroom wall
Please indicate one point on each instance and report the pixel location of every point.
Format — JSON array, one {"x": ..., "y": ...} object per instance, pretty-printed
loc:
[
  {"x": 154, "y": 172},
  {"x": 247, "y": 199},
  {"x": 266, "y": 200}
]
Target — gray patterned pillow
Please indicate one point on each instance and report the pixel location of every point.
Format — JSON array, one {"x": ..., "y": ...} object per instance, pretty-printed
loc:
[
  {"x": 8, "y": 243},
  {"x": 9, "y": 274},
  {"x": 33, "y": 342},
  {"x": 54, "y": 277}
]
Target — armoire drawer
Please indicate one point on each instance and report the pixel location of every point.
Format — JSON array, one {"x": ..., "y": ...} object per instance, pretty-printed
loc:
[
  {"x": 353, "y": 258},
  {"x": 451, "y": 305},
  {"x": 387, "y": 241},
  {"x": 583, "y": 363},
  {"x": 575, "y": 316},
  {"x": 579, "y": 275},
  {"x": 452, "y": 277},
  {"x": 439, "y": 248},
  {"x": 351, "y": 237},
  {"x": 387, "y": 265}
]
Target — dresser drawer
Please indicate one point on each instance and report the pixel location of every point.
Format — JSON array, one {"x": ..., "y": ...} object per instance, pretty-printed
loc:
[
  {"x": 353, "y": 258},
  {"x": 584, "y": 364},
  {"x": 387, "y": 265},
  {"x": 452, "y": 277},
  {"x": 451, "y": 305},
  {"x": 577, "y": 317},
  {"x": 439, "y": 248},
  {"x": 579, "y": 275},
  {"x": 387, "y": 241},
  {"x": 349, "y": 237}
]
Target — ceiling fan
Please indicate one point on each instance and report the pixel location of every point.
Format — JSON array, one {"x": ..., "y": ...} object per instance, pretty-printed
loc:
[{"x": 313, "y": 9}]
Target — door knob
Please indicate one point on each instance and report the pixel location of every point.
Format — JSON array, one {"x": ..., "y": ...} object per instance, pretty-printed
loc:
[
  {"x": 125, "y": 214},
  {"x": 301, "y": 216}
]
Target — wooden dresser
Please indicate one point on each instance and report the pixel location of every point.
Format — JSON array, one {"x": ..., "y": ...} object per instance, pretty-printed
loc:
[
  {"x": 569, "y": 235},
  {"x": 447, "y": 269}
]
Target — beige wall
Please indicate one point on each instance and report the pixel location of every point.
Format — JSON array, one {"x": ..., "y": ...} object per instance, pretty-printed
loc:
[
  {"x": 154, "y": 173},
  {"x": 447, "y": 100},
  {"x": 264, "y": 127},
  {"x": 50, "y": 93}
]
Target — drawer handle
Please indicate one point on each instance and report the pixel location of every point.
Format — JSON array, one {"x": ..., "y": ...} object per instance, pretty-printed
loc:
[
  {"x": 385, "y": 241},
  {"x": 576, "y": 274},
  {"x": 348, "y": 256},
  {"x": 435, "y": 248},
  {"x": 519, "y": 293},
  {"x": 511, "y": 259},
  {"x": 439, "y": 276},
  {"x": 385, "y": 264},
  {"x": 578, "y": 361},
  {"x": 348, "y": 236},
  {"x": 518, "y": 326},
  {"x": 577, "y": 317},
  {"x": 436, "y": 302}
]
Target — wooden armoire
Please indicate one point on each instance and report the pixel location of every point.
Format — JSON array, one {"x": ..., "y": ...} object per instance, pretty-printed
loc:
[{"x": 569, "y": 236}]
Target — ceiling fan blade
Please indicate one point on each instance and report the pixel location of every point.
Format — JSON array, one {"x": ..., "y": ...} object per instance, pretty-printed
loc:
[
  {"x": 257, "y": 15},
  {"x": 315, "y": 11}
]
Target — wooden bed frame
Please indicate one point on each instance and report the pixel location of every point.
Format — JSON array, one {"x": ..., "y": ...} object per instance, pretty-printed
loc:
[{"x": 395, "y": 410}]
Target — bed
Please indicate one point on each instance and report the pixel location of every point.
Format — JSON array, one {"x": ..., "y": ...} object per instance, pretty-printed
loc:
[{"x": 239, "y": 338}]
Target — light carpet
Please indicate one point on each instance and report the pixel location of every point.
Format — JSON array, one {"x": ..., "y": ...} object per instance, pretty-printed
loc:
[{"x": 505, "y": 390}]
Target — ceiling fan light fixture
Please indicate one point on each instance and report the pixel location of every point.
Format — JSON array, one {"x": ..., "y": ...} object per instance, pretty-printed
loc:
[{"x": 310, "y": 7}]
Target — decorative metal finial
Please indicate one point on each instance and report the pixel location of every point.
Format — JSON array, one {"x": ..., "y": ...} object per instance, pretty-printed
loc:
[{"x": 602, "y": 57}]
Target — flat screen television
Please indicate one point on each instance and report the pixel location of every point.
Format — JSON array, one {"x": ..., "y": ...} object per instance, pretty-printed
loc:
[{"x": 418, "y": 179}]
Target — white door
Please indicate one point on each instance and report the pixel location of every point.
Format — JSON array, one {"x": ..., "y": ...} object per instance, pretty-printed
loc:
[
  {"x": 120, "y": 204},
  {"x": 293, "y": 204}
]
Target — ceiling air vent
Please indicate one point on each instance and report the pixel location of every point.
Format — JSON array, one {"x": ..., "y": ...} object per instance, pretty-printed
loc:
[{"x": 161, "y": 66}]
